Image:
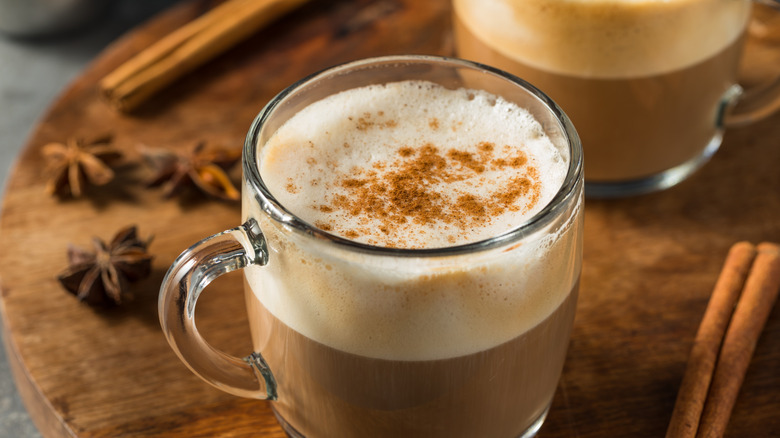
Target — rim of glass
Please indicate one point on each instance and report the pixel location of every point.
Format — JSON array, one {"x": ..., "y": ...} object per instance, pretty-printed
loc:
[{"x": 272, "y": 207}]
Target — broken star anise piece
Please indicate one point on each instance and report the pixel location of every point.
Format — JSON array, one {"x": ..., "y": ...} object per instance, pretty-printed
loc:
[
  {"x": 205, "y": 168},
  {"x": 101, "y": 277},
  {"x": 73, "y": 164}
]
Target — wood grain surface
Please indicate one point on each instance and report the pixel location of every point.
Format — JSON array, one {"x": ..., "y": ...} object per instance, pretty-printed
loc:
[{"x": 649, "y": 264}]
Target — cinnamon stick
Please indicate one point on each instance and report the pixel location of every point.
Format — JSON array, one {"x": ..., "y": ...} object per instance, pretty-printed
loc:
[
  {"x": 189, "y": 47},
  {"x": 707, "y": 344},
  {"x": 750, "y": 316},
  {"x": 716, "y": 370}
]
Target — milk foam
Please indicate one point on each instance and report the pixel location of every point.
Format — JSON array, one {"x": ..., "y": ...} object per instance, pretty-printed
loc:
[
  {"x": 410, "y": 308},
  {"x": 364, "y": 164},
  {"x": 606, "y": 38}
]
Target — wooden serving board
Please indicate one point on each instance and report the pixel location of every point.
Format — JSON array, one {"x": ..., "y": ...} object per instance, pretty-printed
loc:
[{"x": 649, "y": 265}]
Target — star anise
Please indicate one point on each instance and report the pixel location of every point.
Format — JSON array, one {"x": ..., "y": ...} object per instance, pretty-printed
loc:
[
  {"x": 205, "y": 168},
  {"x": 102, "y": 276},
  {"x": 77, "y": 162}
]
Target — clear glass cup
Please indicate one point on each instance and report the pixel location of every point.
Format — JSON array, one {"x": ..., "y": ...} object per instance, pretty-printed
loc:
[
  {"x": 502, "y": 388},
  {"x": 650, "y": 85}
]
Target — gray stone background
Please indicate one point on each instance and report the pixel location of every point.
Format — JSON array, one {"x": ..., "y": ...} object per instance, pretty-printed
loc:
[{"x": 32, "y": 73}]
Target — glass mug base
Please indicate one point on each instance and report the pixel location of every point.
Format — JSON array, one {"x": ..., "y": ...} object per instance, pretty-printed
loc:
[
  {"x": 654, "y": 183},
  {"x": 528, "y": 433}
]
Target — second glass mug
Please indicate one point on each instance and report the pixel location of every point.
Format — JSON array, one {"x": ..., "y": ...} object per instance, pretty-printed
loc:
[
  {"x": 321, "y": 389},
  {"x": 650, "y": 85}
]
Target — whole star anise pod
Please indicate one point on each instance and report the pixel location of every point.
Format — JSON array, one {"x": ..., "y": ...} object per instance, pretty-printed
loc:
[
  {"x": 205, "y": 168},
  {"x": 102, "y": 276},
  {"x": 77, "y": 162}
]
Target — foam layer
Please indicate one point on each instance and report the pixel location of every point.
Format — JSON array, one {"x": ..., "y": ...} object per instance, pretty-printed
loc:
[
  {"x": 413, "y": 165},
  {"x": 606, "y": 38},
  {"x": 413, "y": 308}
]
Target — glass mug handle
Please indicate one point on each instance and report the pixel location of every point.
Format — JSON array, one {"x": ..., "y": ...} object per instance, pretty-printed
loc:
[
  {"x": 189, "y": 274},
  {"x": 748, "y": 106}
]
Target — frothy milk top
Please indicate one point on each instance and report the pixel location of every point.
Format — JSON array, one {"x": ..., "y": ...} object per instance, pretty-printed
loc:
[
  {"x": 606, "y": 38},
  {"x": 413, "y": 165}
]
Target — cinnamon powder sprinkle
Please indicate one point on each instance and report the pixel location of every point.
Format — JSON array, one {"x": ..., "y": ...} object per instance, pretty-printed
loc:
[
  {"x": 351, "y": 234},
  {"x": 324, "y": 226},
  {"x": 404, "y": 190},
  {"x": 292, "y": 188},
  {"x": 364, "y": 123},
  {"x": 467, "y": 159}
]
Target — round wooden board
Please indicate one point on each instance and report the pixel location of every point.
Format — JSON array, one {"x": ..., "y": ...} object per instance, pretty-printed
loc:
[{"x": 650, "y": 262}]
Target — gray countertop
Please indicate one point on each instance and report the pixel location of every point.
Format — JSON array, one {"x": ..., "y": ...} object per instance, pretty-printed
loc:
[{"x": 32, "y": 73}]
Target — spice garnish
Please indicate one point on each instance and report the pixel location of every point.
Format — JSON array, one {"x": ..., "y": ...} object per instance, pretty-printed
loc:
[
  {"x": 395, "y": 193},
  {"x": 205, "y": 168},
  {"x": 77, "y": 162},
  {"x": 102, "y": 277}
]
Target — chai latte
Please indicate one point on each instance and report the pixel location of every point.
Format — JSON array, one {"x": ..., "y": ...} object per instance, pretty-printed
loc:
[
  {"x": 386, "y": 346},
  {"x": 642, "y": 80}
]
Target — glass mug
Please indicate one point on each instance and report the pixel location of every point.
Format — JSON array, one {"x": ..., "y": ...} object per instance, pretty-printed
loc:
[
  {"x": 649, "y": 84},
  {"x": 319, "y": 384}
]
